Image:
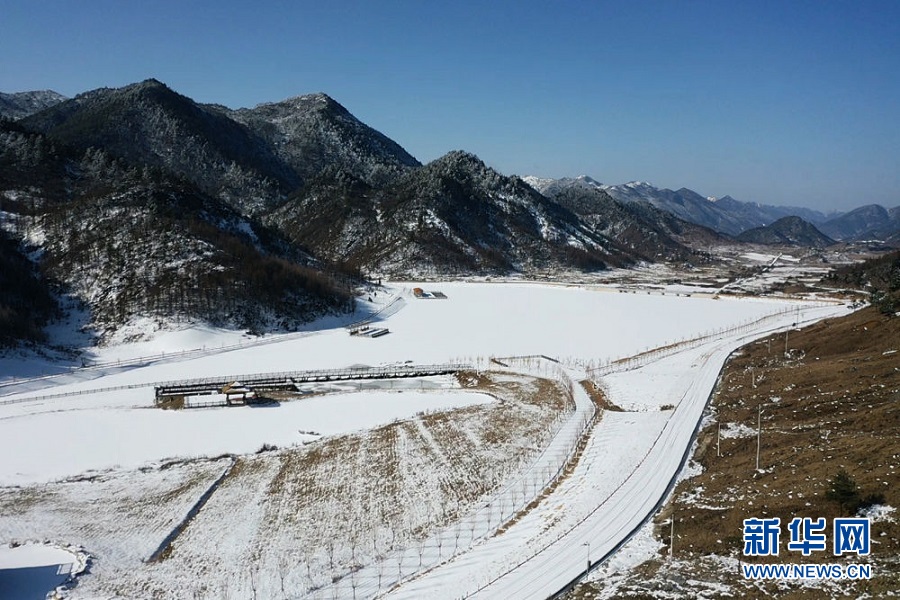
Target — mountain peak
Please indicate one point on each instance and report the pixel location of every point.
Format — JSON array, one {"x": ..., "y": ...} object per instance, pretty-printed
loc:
[
  {"x": 791, "y": 230},
  {"x": 317, "y": 102},
  {"x": 461, "y": 156},
  {"x": 148, "y": 85},
  {"x": 587, "y": 179},
  {"x": 150, "y": 82}
]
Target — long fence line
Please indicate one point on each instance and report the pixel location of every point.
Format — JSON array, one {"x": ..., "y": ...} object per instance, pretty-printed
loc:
[
  {"x": 664, "y": 497},
  {"x": 586, "y": 425},
  {"x": 314, "y": 375},
  {"x": 505, "y": 505},
  {"x": 570, "y": 529},
  {"x": 114, "y": 388},
  {"x": 673, "y": 480},
  {"x": 642, "y": 358}
]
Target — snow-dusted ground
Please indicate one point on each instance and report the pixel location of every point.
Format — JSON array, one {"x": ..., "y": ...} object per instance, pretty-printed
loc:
[
  {"x": 500, "y": 319},
  {"x": 628, "y": 461},
  {"x": 56, "y": 442},
  {"x": 578, "y": 325}
]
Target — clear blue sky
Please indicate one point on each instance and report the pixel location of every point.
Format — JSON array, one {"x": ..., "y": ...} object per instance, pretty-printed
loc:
[{"x": 777, "y": 102}]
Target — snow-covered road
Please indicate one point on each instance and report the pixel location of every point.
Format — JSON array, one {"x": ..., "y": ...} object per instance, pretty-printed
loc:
[{"x": 625, "y": 472}]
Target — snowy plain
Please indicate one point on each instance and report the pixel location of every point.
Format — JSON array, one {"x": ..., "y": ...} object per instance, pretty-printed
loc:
[
  {"x": 64, "y": 436},
  {"x": 576, "y": 325}
]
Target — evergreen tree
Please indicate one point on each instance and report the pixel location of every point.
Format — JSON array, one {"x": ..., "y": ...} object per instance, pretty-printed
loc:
[{"x": 843, "y": 489}]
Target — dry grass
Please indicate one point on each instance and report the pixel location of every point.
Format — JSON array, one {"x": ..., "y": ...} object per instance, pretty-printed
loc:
[
  {"x": 833, "y": 403},
  {"x": 18, "y": 501},
  {"x": 350, "y": 499},
  {"x": 598, "y": 397},
  {"x": 171, "y": 402}
]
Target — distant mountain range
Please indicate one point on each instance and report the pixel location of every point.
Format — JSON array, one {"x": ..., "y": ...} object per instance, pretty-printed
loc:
[
  {"x": 22, "y": 104},
  {"x": 871, "y": 222},
  {"x": 733, "y": 217},
  {"x": 138, "y": 201}
]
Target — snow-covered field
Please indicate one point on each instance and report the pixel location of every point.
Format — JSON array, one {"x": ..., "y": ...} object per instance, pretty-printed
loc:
[
  {"x": 117, "y": 437},
  {"x": 630, "y": 459}
]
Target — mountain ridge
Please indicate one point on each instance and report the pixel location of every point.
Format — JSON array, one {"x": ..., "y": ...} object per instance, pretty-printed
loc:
[
  {"x": 451, "y": 215},
  {"x": 22, "y": 104},
  {"x": 724, "y": 214},
  {"x": 869, "y": 222},
  {"x": 304, "y": 193}
]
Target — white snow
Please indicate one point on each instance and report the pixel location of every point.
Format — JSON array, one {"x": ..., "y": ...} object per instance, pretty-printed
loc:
[
  {"x": 57, "y": 443},
  {"x": 612, "y": 490},
  {"x": 736, "y": 430},
  {"x": 878, "y": 512},
  {"x": 769, "y": 258},
  {"x": 33, "y": 555},
  {"x": 625, "y": 468}
]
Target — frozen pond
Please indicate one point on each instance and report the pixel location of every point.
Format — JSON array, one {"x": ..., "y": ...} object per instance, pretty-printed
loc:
[{"x": 31, "y": 571}]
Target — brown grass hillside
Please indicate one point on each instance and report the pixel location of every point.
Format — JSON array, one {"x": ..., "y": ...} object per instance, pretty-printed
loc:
[{"x": 831, "y": 402}]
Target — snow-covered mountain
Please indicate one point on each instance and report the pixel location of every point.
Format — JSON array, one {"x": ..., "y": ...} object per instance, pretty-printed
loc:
[
  {"x": 651, "y": 233},
  {"x": 129, "y": 242},
  {"x": 314, "y": 132},
  {"x": 452, "y": 215},
  {"x": 724, "y": 214},
  {"x": 148, "y": 124},
  {"x": 21, "y": 104},
  {"x": 141, "y": 201}
]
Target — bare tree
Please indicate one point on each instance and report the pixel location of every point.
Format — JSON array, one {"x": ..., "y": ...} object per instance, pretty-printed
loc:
[
  {"x": 283, "y": 570},
  {"x": 329, "y": 548},
  {"x": 380, "y": 567},
  {"x": 253, "y": 576}
]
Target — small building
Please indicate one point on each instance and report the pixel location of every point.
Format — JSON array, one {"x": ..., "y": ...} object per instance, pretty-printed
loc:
[{"x": 237, "y": 393}]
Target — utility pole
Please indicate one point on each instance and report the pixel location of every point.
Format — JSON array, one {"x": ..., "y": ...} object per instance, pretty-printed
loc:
[
  {"x": 758, "y": 431},
  {"x": 672, "y": 537},
  {"x": 718, "y": 438},
  {"x": 588, "y": 544}
]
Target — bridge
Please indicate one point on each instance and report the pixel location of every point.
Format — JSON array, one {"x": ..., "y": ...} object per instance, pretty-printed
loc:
[{"x": 288, "y": 380}]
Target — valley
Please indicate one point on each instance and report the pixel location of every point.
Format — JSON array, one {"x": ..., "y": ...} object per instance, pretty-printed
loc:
[
  {"x": 499, "y": 488},
  {"x": 268, "y": 353}
]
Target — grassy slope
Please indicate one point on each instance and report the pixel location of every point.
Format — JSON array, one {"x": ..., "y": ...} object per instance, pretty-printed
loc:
[{"x": 838, "y": 405}]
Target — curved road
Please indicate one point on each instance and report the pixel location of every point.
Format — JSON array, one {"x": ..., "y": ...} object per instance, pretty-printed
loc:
[{"x": 539, "y": 573}]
